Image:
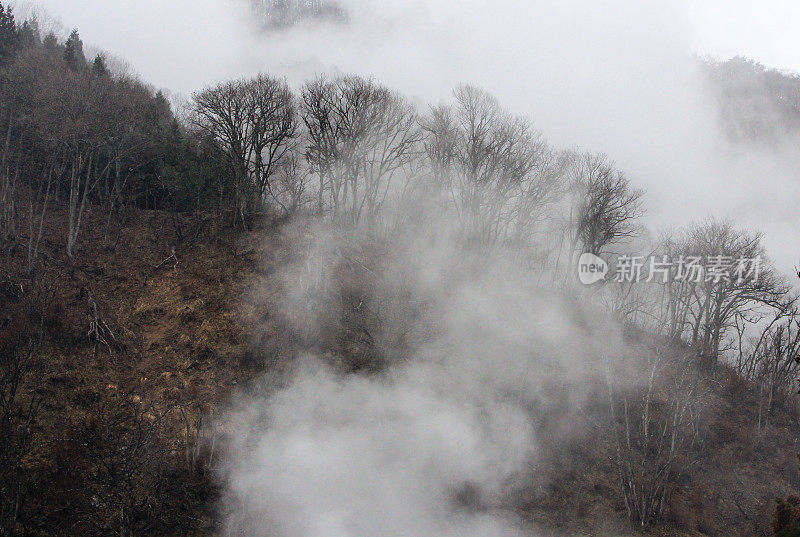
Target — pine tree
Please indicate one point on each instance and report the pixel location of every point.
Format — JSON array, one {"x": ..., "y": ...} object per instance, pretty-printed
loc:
[
  {"x": 29, "y": 35},
  {"x": 50, "y": 43},
  {"x": 73, "y": 52},
  {"x": 99, "y": 66},
  {"x": 8, "y": 34}
]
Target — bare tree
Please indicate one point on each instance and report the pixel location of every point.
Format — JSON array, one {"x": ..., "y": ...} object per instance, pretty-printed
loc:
[
  {"x": 290, "y": 188},
  {"x": 38, "y": 196},
  {"x": 17, "y": 82},
  {"x": 127, "y": 453},
  {"x": 21, "y": 378},
  {"x": 605, "y": 206},
  {"x": 254, "y": 122},
  {"x": 69, "y": 113},
  {"x": 131, "y": 121},
  {"x": 441, "y": 142},
  {"x": 720, "y": 276},
  {"x": 497, "y": 170},
  {"x": 771, "y": 359},
  {"x": 655, "y": 429},
  {"x": 360, "y": 136}
]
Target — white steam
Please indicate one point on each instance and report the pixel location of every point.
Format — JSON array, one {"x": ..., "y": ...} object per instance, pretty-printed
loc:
[
  {"x": 438, "y": 442},
  {"x": 353, "y": 456}
]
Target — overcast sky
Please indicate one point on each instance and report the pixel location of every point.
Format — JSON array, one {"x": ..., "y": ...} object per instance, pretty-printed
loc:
[
  {"x": 615, "y": 78},
  {"x": 153, "y": 34}
]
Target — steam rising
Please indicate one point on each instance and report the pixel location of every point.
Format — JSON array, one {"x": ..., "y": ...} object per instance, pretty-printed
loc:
[
  {"x": 441, "y": 438},
  {"x": 360, "y": 457}
]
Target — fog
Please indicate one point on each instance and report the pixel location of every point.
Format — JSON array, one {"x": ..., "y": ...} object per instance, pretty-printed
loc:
[{"x": 442, "y": 441}]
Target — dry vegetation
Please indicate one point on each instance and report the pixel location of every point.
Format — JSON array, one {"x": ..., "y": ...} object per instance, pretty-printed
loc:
[{"x": 123, "y": 418}]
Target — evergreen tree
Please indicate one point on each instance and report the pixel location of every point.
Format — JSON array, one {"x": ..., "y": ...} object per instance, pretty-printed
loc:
[
  {"x": 99, "y": 66},
  {"x": 29, "y": 35},
  {"x": 8, "y": 34},
  {"x": 163, "y": 108},
  {"x": 50, "y": 43},
  {"x": 73, "y": 52}
]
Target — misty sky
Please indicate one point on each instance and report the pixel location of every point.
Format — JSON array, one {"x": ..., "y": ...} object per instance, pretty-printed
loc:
[
  {"x": 154, "y": 34},
  {"x": 616, "y": 78}
]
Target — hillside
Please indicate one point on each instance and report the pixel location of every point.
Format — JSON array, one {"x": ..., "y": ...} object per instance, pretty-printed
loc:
[
  {"x": 182, "y": 333},
  {"x": 757, "y": 105}
]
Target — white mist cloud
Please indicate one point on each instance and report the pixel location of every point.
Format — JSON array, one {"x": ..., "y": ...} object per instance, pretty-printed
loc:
[
  {"x": 180, "y": 45},
  {"x": 438, "y": 442},
  {"x": 355, "y": 456},
  {"x": 765, "y": 31}
]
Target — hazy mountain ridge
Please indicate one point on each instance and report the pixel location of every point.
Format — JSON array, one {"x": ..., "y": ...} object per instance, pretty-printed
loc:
[
  {"x": 282, "y": 14},
  {"x": 757, "y": 104}
]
